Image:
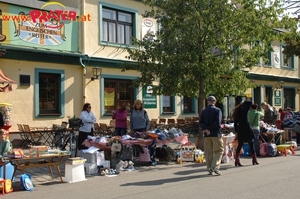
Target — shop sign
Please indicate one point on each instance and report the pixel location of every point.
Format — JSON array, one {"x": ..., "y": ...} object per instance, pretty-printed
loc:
[
  {"x": 149, "y": 100},
  {"x": 277, "y": 98},
  {"x": 44, "y": 27}
]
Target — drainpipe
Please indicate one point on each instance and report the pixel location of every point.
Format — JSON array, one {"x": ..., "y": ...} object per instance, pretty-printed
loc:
[
  {"x": 83, "y": 80},
  {"x": 82, "y": 12},
  {"x": 82, "y": 24}
]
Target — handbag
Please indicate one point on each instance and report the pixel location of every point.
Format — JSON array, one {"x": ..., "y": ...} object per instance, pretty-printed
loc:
[
  {"x": 145, "y": 156},
  {"x": 116, "y": 146}
]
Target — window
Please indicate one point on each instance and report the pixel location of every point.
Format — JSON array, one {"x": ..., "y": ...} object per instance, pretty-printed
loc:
[
  {"x": 269, "y": 95},
  {"x": 117, "y": 26},
  {"x": 188, "y": 105},
  {"x": 116, "y": 92},
  {"x": 289, "y": 64},
  {"x": 289, "y": 95},
  {"x": 269, "y": 57},
  {"x": 168, "y": 104},
  {"x": 49, "y": 93}
]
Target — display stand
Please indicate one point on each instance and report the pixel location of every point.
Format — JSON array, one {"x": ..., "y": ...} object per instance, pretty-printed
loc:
[{"x": 74, "y": 173}]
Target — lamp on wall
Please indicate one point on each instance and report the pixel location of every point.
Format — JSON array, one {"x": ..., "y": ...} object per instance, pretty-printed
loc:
[{"x": 96, "y": 73}]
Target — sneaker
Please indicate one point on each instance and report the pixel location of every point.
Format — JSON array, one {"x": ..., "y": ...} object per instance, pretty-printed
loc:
[
  {"x": 217, "y": 172},
  {"x": 210, "y": 171}
]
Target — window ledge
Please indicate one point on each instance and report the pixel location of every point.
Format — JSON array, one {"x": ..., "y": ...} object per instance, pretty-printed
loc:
[
  {"x": 187, "y": 113},
  {"x": 268, "y": 66},
  {"x": 168, "y": 113},
  {"x": 104, "y": 43},
  {"x": 50, "y": 115},
  {"x": 287, "y": 68}
]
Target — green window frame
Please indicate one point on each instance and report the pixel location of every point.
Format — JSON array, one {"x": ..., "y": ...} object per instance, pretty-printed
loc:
[
  {"x": 290, "y": 63},
  {"x": 59, "y": 100},
  {"x": 167, "y": 105},
  {"x": 118, "y": 22},
  {"x": 188, "y": 105},
  {"x": 118, "y": 79}
]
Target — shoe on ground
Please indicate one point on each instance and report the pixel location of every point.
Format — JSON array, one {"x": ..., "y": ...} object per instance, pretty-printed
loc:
[
  {"x": 210, "y": 171},
  {"x": 217, "y": 172}
]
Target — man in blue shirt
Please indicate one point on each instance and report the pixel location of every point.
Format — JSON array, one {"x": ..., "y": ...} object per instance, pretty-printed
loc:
[{"x": 210, "y": 123}]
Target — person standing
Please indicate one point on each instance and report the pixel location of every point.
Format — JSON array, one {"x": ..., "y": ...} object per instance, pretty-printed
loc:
[
  {"x": 88, "y": 120},
  {"x": 139, "y": 120},
  {"x": 253, "y": 117},
  {"x": 244, "y": 131},
  {"x": 210, "y": 123},
  {"x": 120, "y": 115},
  {"x": 268, "y": 113}
]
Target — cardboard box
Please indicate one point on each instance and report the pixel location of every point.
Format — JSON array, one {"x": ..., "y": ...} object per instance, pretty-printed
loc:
[
  {"x": 105, "y": 164},
  {"x": 90, "y": 157},
  {"x": 90, "y": 168},
  {"x": 75, "y": 161}
]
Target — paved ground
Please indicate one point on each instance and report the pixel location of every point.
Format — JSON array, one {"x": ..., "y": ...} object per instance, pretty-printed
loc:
[{"x": 274, "y": 178}]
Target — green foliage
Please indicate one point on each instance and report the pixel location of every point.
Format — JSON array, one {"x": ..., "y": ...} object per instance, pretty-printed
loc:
[
  {"x": 200, "y": 42},
  {"x": 292, "y": 41}
]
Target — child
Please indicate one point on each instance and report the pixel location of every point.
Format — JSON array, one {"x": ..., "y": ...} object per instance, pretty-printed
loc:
[{"x": 5, "y": 145}]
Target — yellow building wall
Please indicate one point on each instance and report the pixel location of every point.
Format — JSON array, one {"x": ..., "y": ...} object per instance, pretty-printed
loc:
[
  {"x": 92, "y": 35},
  {"x": 22, "y": 97}
]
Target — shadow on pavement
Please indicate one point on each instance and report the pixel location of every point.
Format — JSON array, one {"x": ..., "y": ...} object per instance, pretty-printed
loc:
[{"x": 164, "y": 181}]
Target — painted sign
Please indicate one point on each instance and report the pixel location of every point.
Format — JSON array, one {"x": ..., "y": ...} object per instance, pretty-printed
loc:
[
  {"x": 149, "y": 100},
  {"x": 148, "y": 28},
  {"x": 276, "y": 56},
  {"x": 53, "y": 29},
  {"x": 39, "y": 32}
]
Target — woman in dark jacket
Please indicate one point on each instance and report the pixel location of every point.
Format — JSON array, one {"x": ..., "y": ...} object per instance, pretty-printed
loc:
[{"x": 244, "y": 131}]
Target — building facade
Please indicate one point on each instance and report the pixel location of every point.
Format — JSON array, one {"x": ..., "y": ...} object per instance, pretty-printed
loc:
[{"x": 53, "y": 64}]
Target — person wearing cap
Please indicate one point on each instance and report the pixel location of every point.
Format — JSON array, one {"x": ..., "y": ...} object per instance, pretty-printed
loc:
[
  {"x": 210, "y": 123},
  {"x": 268, "y": 113},
  {"x": 244, "y": 131}
]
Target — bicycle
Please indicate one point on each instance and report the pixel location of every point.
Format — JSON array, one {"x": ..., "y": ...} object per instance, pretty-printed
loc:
[{"x": 62, "y": 138}]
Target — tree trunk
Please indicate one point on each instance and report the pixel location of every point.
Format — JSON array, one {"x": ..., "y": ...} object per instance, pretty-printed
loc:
[{"x": 200, "y": 141}]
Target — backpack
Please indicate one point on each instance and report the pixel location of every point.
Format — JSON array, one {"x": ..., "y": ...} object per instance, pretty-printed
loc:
[
  {"x": 274, "y": 113},
  {"x": 145, "y": 155},
  {"x": 126, "y": 152},
  {"x": 272, "y": 150},
  {"x": 26, "y": 182},
  {"x": 263, "y": 149}
]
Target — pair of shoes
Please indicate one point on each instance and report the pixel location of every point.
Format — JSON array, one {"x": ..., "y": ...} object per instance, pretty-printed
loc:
[{"x": 216, "y": 171}]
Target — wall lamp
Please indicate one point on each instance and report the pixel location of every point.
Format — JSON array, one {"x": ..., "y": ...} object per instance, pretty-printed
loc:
[{"x": 96, "y": 73}]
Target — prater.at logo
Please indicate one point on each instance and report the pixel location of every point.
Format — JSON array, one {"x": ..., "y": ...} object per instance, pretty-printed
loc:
[{"x": 44, "y": 27}]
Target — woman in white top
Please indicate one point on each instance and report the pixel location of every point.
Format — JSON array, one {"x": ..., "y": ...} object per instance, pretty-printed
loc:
[{"x": 88, "y": 120}]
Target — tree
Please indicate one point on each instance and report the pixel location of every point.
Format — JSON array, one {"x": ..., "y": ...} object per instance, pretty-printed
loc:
[
  {"x": 200, "y": 42},
  {"x": 292, "y": 41}
]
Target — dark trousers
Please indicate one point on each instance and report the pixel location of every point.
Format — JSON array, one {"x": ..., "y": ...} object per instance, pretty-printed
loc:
[
  {"x": 82, "y": 137},
  {"x": 120, "y": 131}
]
